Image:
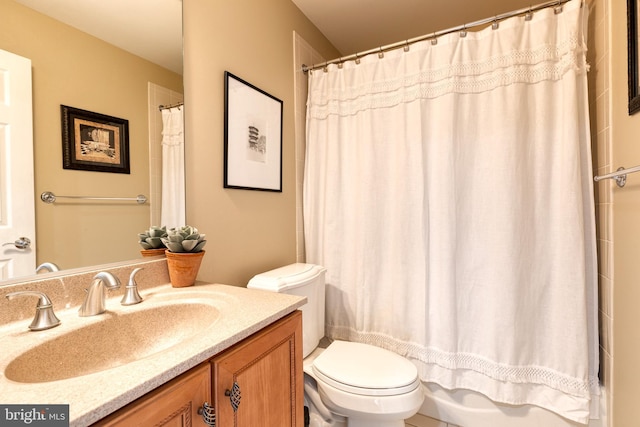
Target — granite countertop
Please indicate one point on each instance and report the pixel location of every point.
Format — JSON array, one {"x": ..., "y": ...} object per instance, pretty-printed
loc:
[{"x": 237, "y": 313}]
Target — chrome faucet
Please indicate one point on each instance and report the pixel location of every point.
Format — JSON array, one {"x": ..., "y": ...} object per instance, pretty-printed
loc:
[
  {"x": 47, "y": 266},
  {"x": 94, "y": 303},
  {"x": 45, "y": 318}
]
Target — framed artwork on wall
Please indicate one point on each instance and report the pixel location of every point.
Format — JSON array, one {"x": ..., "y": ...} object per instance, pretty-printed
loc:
[
  {"x": 94, "y": 142},
  {"x": 252, "y": 137}
]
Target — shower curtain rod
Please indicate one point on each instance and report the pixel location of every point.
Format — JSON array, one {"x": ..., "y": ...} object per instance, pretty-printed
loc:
[
  {"x": 167, "y": 107},
  {"x": 527, "y": 12}
]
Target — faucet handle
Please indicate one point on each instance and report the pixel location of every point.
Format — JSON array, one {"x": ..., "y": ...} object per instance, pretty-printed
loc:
[
  {"x": 131, "y": 295},
  {"x": 45, "y": 318}
]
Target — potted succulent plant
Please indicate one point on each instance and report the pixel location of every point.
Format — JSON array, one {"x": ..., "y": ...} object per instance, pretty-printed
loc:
[
  {"x": 184, "y": 254},
  {"x": 151, "y": 241}
]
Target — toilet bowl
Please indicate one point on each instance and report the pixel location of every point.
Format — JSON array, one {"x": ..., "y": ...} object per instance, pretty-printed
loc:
[
  {"x": 367, "y": 385},
  {"x": 346, "y": 384}
]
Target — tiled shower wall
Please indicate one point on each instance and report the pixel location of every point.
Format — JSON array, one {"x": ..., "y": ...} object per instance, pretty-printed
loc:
[{"x": 600, "y": 116}]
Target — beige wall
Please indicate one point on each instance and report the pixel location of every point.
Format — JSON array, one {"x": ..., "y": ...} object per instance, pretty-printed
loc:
[
  {"x": 247, "y": 231},
  {"x": 78, "y": 70}
]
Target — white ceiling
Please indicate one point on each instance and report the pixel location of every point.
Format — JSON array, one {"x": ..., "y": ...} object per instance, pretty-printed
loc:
[{"x": 152, "y": 29}]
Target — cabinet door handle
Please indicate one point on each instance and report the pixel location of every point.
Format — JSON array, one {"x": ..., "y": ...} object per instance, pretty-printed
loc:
[
  {"x": 208, "y": 414},
  {"x": 234, "y": 396}
]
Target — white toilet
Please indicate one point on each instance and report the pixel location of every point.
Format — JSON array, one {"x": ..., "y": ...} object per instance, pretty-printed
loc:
[{"x": 346, "y": 384}]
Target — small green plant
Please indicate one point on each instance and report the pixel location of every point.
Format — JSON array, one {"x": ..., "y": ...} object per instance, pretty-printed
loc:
[
  {"x": 152, "y": 238},
  {"x": 184, "y": 239}
]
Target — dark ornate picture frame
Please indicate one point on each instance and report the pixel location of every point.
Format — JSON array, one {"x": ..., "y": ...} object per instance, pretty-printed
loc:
[
  {"x": 94, "y": 142},
  {"x": 252, "y": 137},
  {"x": 632, "y": 46}
]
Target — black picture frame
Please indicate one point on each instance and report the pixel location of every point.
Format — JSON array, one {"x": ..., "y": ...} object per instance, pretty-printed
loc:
[
  {"x": 633, "y": 58},
  {"x": 252, "y": 137},
  {"x": 94, "y": 142}
]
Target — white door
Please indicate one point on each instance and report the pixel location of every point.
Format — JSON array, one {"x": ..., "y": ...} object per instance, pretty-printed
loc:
[{"x": 17, "y": 215}]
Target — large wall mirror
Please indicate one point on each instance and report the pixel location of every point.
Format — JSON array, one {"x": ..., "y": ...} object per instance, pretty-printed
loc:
[{"x": 116, "y": 58}]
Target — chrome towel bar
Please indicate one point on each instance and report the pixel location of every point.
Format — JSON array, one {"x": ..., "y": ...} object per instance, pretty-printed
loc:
[
  {"x": 620, "y": 175},
  {"x": 49, "y": 197}
]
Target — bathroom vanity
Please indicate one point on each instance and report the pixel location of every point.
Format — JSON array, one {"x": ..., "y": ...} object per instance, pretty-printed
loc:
[
  {"x": 268, "y": 367},
  {"x": 157, "y": 362}
]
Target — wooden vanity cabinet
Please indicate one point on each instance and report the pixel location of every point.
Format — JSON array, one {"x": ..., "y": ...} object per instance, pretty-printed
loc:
[
  {"x": 267, "y": 368},
  {"x": 174, "y": 404}
]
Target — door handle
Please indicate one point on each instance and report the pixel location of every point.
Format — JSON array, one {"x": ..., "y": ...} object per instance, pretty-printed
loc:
[{"x": 21, "y": 243}]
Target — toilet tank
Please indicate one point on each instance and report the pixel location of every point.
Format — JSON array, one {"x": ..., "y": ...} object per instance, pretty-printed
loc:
[{"x": 299, "y": 279}]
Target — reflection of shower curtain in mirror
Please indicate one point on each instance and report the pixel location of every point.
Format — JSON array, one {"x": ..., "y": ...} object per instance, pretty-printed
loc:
[
  {"x": 173, "y": 192},
  {"x": 448, "y": 192}
]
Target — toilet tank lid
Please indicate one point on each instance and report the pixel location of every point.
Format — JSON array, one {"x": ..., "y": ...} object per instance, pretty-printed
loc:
[{"x": 287, "y": 277}]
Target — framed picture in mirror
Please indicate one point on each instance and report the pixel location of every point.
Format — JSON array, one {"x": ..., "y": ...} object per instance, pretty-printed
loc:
[
  {"x": 252, "y": 137},
  {"x": 94, "y": 142},
  {"x": 633, "y": 57}
]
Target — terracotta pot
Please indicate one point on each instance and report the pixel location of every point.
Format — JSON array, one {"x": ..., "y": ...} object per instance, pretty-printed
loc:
[
  {"x": 152, "y": 252},
  {"x": 183, "y": 267}
]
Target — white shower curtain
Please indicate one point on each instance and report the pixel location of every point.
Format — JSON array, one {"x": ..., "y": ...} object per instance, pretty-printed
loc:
[
  {"x": 448, "y": 192},
  {"x": 173, "y": 189}
]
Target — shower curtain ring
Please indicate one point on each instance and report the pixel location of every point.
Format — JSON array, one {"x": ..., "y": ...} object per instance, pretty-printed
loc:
[
  {"x": 558, "y": 8},
  {"x": 340, "y": 63},
  {"x": 434, "y": 40},
  {"x": 357, "y": 61},
  {"x": 495, "y": 24},
  {"x": 381, "y": 53},
  {"x": 463, "y": 33},
  {"x": 406, "y": 46},
  {"x": 529, "y": 15}
]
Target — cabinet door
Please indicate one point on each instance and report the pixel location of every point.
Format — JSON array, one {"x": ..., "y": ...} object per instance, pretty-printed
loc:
[
  {"x": 267, "y": 368},
  {"x": 174, "y": 404}
]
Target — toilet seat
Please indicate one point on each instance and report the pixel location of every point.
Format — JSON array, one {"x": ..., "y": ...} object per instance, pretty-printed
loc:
[{"x": 365, "y": 370}]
